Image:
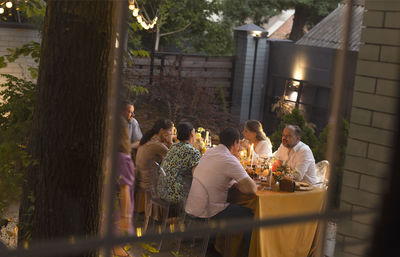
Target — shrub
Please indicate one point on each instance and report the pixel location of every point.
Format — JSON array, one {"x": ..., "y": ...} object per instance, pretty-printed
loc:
[
  {"x": 295, "y": 118},
  {"x": 16, "y": 112}
]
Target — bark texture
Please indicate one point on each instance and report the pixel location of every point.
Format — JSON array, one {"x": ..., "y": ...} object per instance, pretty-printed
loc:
[
  {"x": 62, "y": 191},
  {"x": 299, "y": 21}
]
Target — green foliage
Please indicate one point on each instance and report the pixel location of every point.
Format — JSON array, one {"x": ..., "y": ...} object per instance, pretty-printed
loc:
[
  {"x": 34, "y": 10},
  {"x": 186, "y": 25},
  {"x": 16, "y": 113},
  {"x": 30, "y": 49},
  {"x": 220, "y": 100},
  {"x": 295, "y": 118},
  {"x": 238, "y": 11},
  {"x": 320, "y": 150},
  {"x": 317, "y": 9}
]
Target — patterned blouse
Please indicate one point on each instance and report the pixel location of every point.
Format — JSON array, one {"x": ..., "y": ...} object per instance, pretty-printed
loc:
[{"x": 178, "y": 164}]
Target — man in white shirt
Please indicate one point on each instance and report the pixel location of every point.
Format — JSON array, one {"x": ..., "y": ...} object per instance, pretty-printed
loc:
[
  {"x": 218, "y": 170},
  {"x": 297, "y": 155}
]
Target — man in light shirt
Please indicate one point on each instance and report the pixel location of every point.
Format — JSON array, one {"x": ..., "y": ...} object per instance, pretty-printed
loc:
[
  {"x": 218, "y": 170},
  {"x": 297, "y": 155},
  {"x": 135, "y": 134}
]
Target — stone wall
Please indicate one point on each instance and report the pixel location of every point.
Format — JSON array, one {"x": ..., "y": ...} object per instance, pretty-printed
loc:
[
  {"x": 372, "y": 126},
  {"x": 12, "y": 38}
]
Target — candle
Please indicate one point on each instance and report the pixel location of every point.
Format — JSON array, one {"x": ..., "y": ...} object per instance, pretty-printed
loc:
[{"x": 252, "y": 154}]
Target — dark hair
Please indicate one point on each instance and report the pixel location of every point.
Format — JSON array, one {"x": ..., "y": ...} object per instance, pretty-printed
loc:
[
  {"x": 159, "y": 124},
  {"x": 229, "y": 136},
  {"x": 255, "y": 126},
  {"x": 295, "y": 128},
  {"x": 123, "y": 104},
  {"x": 183, "y": 131}
]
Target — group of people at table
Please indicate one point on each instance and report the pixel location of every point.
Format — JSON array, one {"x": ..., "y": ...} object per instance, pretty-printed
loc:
[{"x": 215, "y": 172}]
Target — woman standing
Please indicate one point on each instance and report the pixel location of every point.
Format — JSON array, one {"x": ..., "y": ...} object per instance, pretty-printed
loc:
[
  {"x": 152, "y": 149},
  {"x": 125, "y": 189},
  {"x": 253, "y": 132}
]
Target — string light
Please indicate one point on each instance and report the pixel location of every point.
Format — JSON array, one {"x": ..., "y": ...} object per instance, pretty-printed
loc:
[
  {"x": 134, "y": 7},
  {"x": 9, "y": 4},
  {"x": 140, "y": 18}
]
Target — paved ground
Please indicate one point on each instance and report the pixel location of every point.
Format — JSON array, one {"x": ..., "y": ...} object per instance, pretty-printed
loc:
[{"x": 168, "y": 249}]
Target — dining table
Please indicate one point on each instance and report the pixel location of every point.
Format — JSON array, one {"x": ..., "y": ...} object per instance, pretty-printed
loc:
[{"x": 291, "y": 240}]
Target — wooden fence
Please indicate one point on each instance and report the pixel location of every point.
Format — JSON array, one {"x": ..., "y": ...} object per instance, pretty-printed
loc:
[{"x": 207, "y": 71}]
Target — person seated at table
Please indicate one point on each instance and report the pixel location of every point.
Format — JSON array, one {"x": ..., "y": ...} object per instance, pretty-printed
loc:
[
  {"x": 298, "y": 155},
  {"x": 178, "y": 166},
  {"x": 153, "y": 147},
  {"x": 253, "y": 132},
  {"x": 218, "y": 170}
]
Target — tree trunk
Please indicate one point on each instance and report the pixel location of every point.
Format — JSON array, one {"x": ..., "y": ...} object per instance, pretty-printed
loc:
[
  {"x": 62, "y": 191},
  {"x": 300, "y": 18},
  {"x": 158, "y": 35}
]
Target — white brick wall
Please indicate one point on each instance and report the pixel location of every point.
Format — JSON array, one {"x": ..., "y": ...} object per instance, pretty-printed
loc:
[
  {"x": 12, "y": 38},
  {"x": 372, "y": 124}
]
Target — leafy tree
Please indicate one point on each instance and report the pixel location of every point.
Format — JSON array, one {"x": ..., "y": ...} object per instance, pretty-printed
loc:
[
  {"x": 16, "y": 112},
  {"x": 63, "y": 187},
  {"x": 238, "y": 11},
  {"x": 307, "y": 12},
  {"x": 188, "y": 26}
]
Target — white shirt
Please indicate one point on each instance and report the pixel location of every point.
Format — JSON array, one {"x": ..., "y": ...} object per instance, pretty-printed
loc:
[
  {"x": 300, "y": 158},
  {"x": 263, "y": 148},
  {"x": 214, "y": 175}
]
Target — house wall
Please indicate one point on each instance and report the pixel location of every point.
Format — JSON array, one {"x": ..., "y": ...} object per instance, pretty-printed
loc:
[
  {"x": 12, "y": 38},
  {"x": 245, "y": 54},
  {"x": 314, "y": 66},
  {"x": 372, "y": 126}
]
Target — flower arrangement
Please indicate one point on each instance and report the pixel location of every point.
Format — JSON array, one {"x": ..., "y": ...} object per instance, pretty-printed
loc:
[
  {"x": 280, "y": 169},
  {"x": 199, "y": 143}
]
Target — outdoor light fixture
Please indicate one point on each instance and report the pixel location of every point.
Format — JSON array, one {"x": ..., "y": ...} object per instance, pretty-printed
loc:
[
  {"x": 292, "y": 91},
  {"x": 9, "y": 4},
  {"x": 257, "y": 34}
]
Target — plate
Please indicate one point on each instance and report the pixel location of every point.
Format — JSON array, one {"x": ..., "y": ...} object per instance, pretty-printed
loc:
[{"x": 305, "y": 188}]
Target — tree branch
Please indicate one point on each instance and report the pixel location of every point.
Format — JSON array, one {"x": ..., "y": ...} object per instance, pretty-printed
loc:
[{"x": 176, "y": 31}]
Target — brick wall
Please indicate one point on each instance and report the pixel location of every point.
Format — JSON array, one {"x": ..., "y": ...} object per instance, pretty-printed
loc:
[
  {"x": 12, "y": 38},
  {"x": 370, "y": 142}
]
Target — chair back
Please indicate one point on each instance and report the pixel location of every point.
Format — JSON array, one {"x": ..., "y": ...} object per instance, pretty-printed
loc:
[
  {"x": 322, "y": 170},
  {"x": 198, "y": 197}
]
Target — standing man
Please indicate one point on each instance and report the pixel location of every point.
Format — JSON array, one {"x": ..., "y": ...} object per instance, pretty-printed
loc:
[
  {"x": 297, "y": 155},
  {"x": 219, "y": 169},
  {"x": 135, "y": 134}
]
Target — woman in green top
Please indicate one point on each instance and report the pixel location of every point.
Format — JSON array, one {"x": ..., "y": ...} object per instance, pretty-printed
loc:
[{"x": 178, "y": 165}]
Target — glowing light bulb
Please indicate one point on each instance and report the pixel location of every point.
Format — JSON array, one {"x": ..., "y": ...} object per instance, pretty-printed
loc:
[
  {"x": 151, "y": 26},
  {"x": 139, "y": 19},
  {"x": 9, "y": 4},
  {"x": 131, "y": 7},
  {"x": 135, "y": 12},
  {"x": 1, "y": 10}
]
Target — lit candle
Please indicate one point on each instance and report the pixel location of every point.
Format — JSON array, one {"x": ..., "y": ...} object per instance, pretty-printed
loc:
[{"x": 252, "y": 154}]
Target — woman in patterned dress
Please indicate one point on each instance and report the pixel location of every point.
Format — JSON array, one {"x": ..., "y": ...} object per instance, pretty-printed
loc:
[{"x": 178, "y": 165}]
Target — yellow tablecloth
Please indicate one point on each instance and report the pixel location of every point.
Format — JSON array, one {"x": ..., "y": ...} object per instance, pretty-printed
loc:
[{"x": 294, "y": 240}]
